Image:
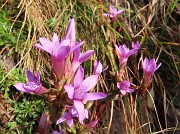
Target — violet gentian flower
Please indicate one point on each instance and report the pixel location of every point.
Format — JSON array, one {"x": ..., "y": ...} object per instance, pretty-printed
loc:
[
  {"x": 113, "y": 12},
  {"x": 124, "y": 87},
  {"x": 65, "y": 60},
  {"x": 64, "y": 64},
  {"x": 78, "y": 92},
  {"x": 98, "y": 68},
  {"x": 125, "y": 52},
  {"x": 33, "y": 85},
  {"x": 79, "y": 57},
  {"x": 58, "y": 50},
  {"x": 149, "y": 67},
  {"x": 68, "y": 116}
]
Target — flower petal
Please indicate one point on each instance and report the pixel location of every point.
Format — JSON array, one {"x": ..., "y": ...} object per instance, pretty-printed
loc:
[
  {"x": 94, "y": 96},
  {"x": 19, "y": 86},
  {"x": 158, "y": 66},
  {"x": 38, "y": 76},
  {"x": 119, "y": 85},
  {"x": 77, "y": 46},
  {"x": 80, "y": 109},
  {"x": 46, "y": 43},
  {"x": 123, "y": 50},
  {"x": 62, "y": 52},
  {"x": 75, "y": 65},
  {"x": 70, "y": 90},
  {"x": 136, "y": 45},
  {"x": 145, "y": 63},
  {"x": 130, "y": 90},
  {"x": 85, "y": 56},
  {"x": 151, "y": 67},
  {"x": 97, "y": 67},
  {"x": 123, "y": 92},
  {"x": 62, "y": 119},
  {"x": 86, "y": 113},
  {"x": 126, "y": 83},
  {"x": 120, "y": 11},
  {"x": 43, "y": 48},
  {"x": 71, "y": 32},
  {"x": 69, "y": 122},
  {"x": 78, "y": 78},
  {"x": 56, "y": 41},
  {"x": 112, "y": 9},
  {"x": 89, "y": 83},
  {"x": 77, "y": 53},
  {"x": 30, "y": 76},
  {"x": 55, "y": 38}
]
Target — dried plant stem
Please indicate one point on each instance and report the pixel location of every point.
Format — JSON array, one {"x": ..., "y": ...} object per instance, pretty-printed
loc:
[
  {"x": 155, "y": 111},
  {"x": 110, "y": 122}
]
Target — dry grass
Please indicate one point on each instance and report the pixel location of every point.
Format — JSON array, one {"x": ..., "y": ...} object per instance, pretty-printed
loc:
[{"x": 154, "y": 23}]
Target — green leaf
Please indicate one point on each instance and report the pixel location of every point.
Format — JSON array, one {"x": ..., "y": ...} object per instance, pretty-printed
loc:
[{"x": 11, "y": 125}]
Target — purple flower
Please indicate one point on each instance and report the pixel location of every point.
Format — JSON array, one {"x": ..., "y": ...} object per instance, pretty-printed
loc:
[
  {"x": 58, "y": 49},
  {"x": 79, "y": 57},
  {"x": 125, "y": 52},
  {"x": 113, "y": 12},
  {"x": 149, "y": 67},
  {"x": 68, "y": 116},
  {"x": 124, "y": 87},
  {"x": 61, "y": 52},
  {"x": 33, "y": 85},
  {"x": 78, "y": 92},
  {"x": 98, "y": 68}
]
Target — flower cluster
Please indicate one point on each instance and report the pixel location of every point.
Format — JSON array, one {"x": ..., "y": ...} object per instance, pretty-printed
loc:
[
  {"x": 125, "y": 52},
  {"x": 71, "y": 90},
  {"x": 65, "y": 54},
  {"x": 66, "y": 59},
  {"x": 113, "y": 13}
]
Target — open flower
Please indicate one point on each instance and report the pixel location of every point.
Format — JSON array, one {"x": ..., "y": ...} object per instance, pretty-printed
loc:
[
  {"x": 59, "y": 50},
  {"x": 125, "y": 52},
  {"x": 33, "y": 85},
  {"x": 98, "y": 68},
  {"x": 149, "y": 67},
  {"x": 79, "y": 92},
  {"x": 79, "y": 57},
  {"x": 113, "y": 12},
  {"x": 64, "y": 56},
  {"x": 68, "y": 116},
  {"x": 124, "y": 87}
]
